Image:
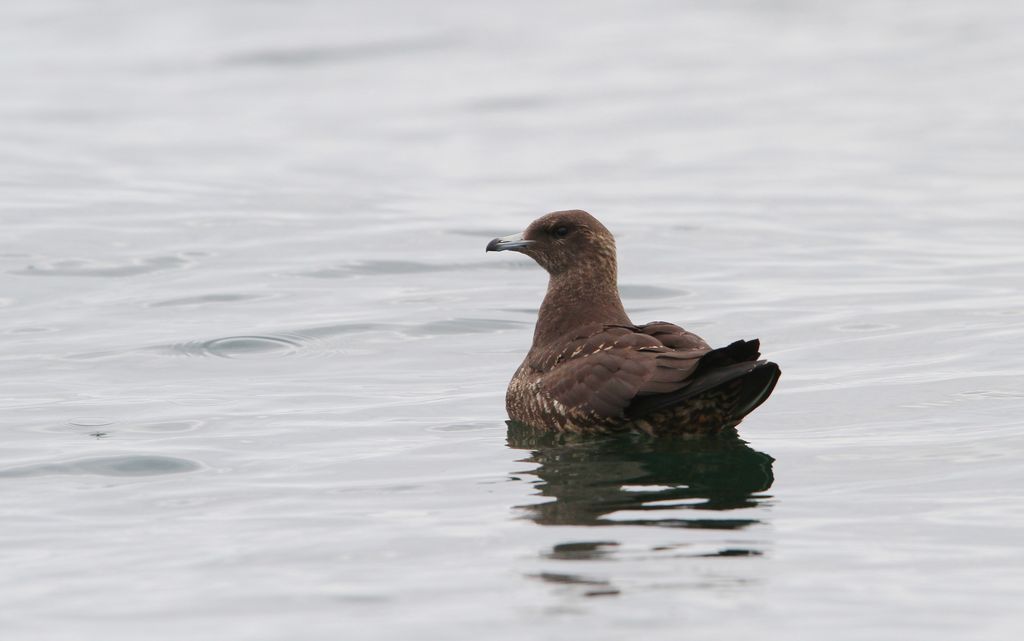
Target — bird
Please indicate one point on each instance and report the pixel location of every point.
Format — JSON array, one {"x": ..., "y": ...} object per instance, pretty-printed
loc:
[{"x": 590, "y": 369}]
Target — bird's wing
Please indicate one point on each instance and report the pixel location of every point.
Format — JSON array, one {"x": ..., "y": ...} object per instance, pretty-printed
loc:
[{"x": 600, "y": 371}]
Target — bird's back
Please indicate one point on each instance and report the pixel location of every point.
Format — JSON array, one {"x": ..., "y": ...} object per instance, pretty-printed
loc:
[{"x": 656, "y": 377}]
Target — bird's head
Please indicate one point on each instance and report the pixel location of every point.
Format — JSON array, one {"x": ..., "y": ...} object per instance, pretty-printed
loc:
[{"x": 563, "y": 241}]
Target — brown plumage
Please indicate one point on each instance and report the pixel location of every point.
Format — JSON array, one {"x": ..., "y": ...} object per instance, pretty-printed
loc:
[{"x": 591, "y": 369}]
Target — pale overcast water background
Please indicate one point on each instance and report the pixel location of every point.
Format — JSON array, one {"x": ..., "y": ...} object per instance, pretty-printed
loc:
[{"x": 253, "y": 355}]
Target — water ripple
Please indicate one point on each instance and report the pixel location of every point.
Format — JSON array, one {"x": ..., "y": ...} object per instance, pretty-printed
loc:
[
  {"x": 205, "y": 299},
  {"x": 168, "y": 426},
  {"x": 96, "y": 268},
  {"x": 463, "y": 326},
  {"x": 401, "y": 268},
  {"x": 91, "y": 421},
  {"x": 125, "y": 465},
  {"x": 241, "y": 347},
  {"x": 322, "y": 340},
  {"x": 319, "y": 341},
  {"x": 376, "y": 267},
  {"x": 308, "y": 56}
]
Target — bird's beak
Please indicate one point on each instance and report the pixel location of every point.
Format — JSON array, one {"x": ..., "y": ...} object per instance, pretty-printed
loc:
[{"x": 514, "y": 242}]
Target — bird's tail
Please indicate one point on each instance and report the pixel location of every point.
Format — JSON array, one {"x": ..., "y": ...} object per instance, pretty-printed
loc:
[
  {"x": 755, "y": 388},
  {"x": 738, "y": 361},
  {"x": 734, "y": 364}
]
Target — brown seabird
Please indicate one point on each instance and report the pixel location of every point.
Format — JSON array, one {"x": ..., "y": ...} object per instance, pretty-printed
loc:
[{"x": 590, "y": 369}]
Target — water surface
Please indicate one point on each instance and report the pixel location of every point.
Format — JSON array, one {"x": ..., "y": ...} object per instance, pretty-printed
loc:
[{"x": 253, "y": 356}]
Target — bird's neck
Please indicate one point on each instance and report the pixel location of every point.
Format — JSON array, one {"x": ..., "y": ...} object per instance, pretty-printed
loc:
[{"x": 577, "y": 298}]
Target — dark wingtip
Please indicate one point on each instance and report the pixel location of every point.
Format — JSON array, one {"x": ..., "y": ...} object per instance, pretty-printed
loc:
[
  {"x": 757, "y": 386},
  {"x": 740, "y": 351}
]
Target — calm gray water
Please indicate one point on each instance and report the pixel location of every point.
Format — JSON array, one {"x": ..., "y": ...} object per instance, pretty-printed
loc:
[{"x": 253, "y": 355}]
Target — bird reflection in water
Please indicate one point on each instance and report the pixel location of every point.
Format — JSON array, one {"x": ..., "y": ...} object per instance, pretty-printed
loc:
[
  {"x": 633, "y": 480},
  {"x": 590, "y": 479}
]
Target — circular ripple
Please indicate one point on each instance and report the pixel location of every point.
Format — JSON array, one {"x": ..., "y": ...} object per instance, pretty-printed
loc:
[
  {"x": 242, "y": 347},
  {"x": 252, "y": 346},
  {"x": 312, "y": 341}
]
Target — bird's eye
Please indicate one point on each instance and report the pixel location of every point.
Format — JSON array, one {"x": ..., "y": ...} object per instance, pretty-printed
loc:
[{"x": 561, "y": 231}]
